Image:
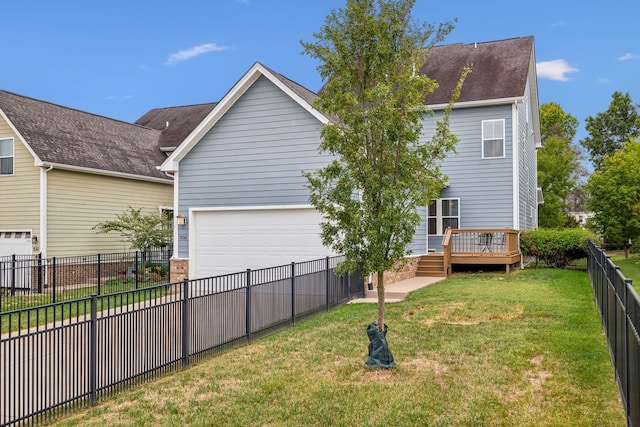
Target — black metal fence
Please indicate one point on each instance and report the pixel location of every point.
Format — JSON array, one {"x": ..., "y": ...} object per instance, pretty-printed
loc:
[
  {"x": 30, "y": 280},
  {"x": 619, "y": 306},
  {"x": 114, "y": 342}
]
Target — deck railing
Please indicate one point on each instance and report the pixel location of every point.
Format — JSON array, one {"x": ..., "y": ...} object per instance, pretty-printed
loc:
[
  {"x": 480, "y": 246},
  {"x": 484, "y": 242}
]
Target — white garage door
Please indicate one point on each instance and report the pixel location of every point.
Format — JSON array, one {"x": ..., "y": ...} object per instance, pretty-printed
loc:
[
  {"x": 15, "y": 243},
  {"x": 230, "y": 241}
]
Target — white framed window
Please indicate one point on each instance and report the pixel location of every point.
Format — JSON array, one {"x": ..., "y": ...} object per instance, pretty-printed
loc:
[
  {"x": 493, "y": 139},
  {"x": 443, "y": 213},
  {"x": 7, "y": 156}
]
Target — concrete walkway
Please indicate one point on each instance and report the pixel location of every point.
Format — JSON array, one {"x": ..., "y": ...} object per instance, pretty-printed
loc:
[{"x": 398, "y": 291}]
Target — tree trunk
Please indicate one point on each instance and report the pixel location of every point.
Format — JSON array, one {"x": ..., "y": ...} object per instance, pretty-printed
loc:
[{"x": 381, "y": 300}]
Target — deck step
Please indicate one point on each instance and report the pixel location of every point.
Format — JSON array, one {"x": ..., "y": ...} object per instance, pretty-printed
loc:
[{"x": 431, "y": 265}]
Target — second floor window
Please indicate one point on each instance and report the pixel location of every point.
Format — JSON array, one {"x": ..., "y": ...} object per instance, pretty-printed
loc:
[
  {"x": 6, "y": 156},
  {"x": 492, "y": 139}
]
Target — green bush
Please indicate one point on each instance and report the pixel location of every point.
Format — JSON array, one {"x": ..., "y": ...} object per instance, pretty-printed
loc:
[{"x": 557, "y": 248}]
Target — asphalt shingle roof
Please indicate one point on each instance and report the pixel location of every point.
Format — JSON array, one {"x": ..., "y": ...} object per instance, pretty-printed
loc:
[
  {"x": 499, "y": 69},
  {"x": 71, "y": 137},
  {"x": 176, "y": 123}
]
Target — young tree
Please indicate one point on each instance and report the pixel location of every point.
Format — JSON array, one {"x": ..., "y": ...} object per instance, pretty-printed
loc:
[
  {"x": 141, "y": 231},
  {"x": 558, "y": 163},
  {"x": 615, "y": 196},
  {"x": 369, "y": 55},
  {"x": 611, "y": 129}
]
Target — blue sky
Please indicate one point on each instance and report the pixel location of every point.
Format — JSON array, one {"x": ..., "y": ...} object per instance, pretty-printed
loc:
[{"x": 122, "y": 58}]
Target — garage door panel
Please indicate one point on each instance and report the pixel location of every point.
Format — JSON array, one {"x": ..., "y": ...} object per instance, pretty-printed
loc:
[
  {"x": 15, "y": 243},
  {"x": 232, "y": 241}
]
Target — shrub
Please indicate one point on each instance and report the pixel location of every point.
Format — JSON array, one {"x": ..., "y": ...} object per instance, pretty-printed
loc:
[{"x": 557, "y": 248}]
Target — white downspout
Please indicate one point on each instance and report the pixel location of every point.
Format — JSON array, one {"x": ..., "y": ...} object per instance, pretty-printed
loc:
[{"x": 43, "y": 209}]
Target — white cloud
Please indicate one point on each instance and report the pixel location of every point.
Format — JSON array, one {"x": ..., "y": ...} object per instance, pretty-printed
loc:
[
  {"x": 556, "y": 69},
  {"x": 186, "y": 54},
  {"x": 604, "y": 80},
  {"x": 628, "y": 56}
]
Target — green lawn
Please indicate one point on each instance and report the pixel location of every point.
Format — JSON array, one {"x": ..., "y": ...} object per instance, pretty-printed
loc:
[
  {"x": 525, "y": 349},
  {"x": 630, "y": 267}
]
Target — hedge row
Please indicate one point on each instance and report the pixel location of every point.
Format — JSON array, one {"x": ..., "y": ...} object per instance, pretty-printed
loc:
[{"x": 556, "y": 248}]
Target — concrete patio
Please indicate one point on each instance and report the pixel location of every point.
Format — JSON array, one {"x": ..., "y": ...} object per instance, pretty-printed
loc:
[{"x": 398, "y": 291}]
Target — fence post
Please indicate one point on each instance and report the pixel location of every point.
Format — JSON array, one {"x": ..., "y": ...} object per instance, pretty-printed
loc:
[
  {"x": 248, "y": 307},
  {"x": 14, "y": 270},
  {"x": 293, "y": 293},
  {"x": 53, "y": 281},
  {"x": 135, "y": 270},
  {"x": 327, "y": 271},
  {"x": 40, "y": 273},
  {"x": 186, "y": 326},
  {"x": 99, "y": 273},
  {"x": 93, "y": 349}
]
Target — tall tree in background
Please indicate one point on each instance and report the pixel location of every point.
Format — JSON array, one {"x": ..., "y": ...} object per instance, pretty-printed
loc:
[
  {"x": 558, "y": 163},
  {"x": 611, "y": 129},
  {"x": 615, "y": 196},
  {"x": 369, "y": 55}
]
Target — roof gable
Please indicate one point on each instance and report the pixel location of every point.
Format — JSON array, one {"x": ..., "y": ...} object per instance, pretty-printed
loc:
[
  {"x": 298, "y": 93},
  {"x": 65, "y": 137}
]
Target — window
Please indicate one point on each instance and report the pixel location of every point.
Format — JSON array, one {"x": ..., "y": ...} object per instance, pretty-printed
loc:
[
  {"x": 6, "y": 156},
  {"x": 443, "y": 213},
  {"x": 492, "y": 139}
]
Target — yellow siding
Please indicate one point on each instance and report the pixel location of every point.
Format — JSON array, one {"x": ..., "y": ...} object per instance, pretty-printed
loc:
[
  {"x": 79, "y": 201},
  {"x": 20, "y": 192}
]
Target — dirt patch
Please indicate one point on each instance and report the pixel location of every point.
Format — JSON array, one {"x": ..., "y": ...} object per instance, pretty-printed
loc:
[{"x": 467, "y": 313}]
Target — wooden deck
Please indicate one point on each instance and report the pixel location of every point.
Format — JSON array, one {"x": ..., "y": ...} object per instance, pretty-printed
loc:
[{"x": 478, "y": 247}]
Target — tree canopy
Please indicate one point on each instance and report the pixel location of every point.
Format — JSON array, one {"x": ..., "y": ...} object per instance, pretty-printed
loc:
[
  {"x": 558, "y": 163},
  {"x": 615, "y": 195},
  {"x": 369, "y": 55},
  {"x": 611, "y": 129}
]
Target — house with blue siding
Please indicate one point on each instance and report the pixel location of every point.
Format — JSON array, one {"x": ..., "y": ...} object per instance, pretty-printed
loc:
[{"x": 241, "y": 200}]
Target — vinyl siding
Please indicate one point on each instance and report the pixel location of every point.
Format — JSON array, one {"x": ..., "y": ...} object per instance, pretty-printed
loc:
[
  {"x": 79, "y": 201},
  {"x": 528, "y": 218},
  {"x": 253, "y": 156},
  {"x": 20, "y": 192},
  {"x": 484, "y": 186}
]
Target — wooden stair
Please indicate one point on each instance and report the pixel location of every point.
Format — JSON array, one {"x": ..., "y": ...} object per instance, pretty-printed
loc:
[{"x": 431, "y": 265}]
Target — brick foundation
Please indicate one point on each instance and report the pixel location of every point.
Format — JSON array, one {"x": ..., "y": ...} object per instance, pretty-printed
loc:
[
  {"x": 408, "y": 271},
  {"x": 179, "y": 270}
]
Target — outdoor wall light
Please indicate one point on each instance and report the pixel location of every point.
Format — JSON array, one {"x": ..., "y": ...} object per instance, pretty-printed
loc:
[{"x": 181, "y": 219}]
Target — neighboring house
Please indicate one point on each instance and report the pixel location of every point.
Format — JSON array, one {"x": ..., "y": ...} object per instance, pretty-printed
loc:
[
  {"x": 581, "y": 217},
  {"x": 62, "y": 171},
  {"x": 238, "y": 176}
]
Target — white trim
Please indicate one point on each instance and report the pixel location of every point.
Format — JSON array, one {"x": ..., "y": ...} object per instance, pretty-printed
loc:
[
  {"x": 107, "y": 173},
  {"x": 257, "y": 70},
  {"x": 176, "y": 210},
  {"x": 43, "y": 211},
  {"x": 439, "y": 217},
  {"x": 37, "y": 161},
  {"x": 13, "y": 156},
  {"x": 504, "y": 138},
  {"x": 479, "y": 103},
  {"x": 515, "y": 149}
]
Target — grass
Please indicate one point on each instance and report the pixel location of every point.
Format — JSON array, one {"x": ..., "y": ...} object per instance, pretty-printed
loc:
[
  {"x": 630, "y": 267},
  {"x": 74, "y": 305},
  {"x": 522, "y": 349}
]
